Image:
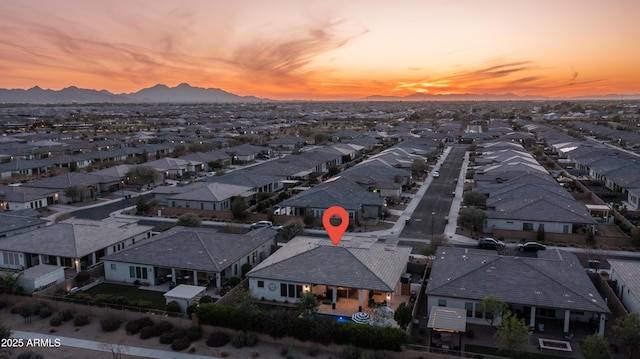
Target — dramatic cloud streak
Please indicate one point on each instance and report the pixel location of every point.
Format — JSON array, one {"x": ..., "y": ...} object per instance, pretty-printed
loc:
[{"x": 287, "y": 49}]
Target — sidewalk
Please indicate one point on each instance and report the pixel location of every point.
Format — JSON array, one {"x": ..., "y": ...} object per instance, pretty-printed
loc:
[{"x": 106, "y": 347}]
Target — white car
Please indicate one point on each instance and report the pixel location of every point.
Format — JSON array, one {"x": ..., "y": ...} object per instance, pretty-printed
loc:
[
  {"x": 436, "y": 174},
  {"x": 262, "y": 224}
]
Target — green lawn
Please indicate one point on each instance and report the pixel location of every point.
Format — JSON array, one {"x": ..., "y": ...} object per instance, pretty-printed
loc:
[
  {"x": 132, "y": 292},
  {"x": 470, "y": 348}
]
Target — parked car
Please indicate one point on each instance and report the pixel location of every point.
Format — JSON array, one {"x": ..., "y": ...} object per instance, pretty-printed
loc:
[
  {"x": 490, "y": 243},
  {"x": 262, "y": 224},
  {"x": 531, "y": 247},
  {"x": 436, "y": 174}
]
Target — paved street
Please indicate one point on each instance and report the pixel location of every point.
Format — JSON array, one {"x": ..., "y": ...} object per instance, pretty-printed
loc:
[{"x": 429, "y": 215}]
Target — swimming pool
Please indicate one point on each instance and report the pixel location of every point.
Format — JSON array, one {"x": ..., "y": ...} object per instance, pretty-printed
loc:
[{"x": 337, "y": 318}]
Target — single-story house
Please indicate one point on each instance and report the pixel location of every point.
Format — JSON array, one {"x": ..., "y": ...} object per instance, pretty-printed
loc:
[
  {"x": 16, "y": 222},
  {"x": 186, "y": 255},
  {"x": 551, "y": 286},
  {"x": 625, "y": 274},
  {"x": 73, "y": 243},
  {"x": 356, "y": 265},
  {"x": 213, "y": 196}
]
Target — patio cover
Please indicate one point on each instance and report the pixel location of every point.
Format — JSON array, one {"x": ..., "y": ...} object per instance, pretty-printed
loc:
[
  {"x": 184, "y": 291},
  {"x": 447, "y": 319}
]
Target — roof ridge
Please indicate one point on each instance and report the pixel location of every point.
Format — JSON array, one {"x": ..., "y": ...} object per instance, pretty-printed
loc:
[
  {"x": 470, "y": 271},
  {"x": 364, "y": 265},
  {"x": 209, "y": 254}
]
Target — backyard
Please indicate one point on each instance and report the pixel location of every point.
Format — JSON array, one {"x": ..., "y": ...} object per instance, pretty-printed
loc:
[{"x": 131, "y": 292}]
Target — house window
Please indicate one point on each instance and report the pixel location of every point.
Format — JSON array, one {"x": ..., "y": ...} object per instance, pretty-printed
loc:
[
  {"x": 469, "y": 308},
  {"x": 113, "y": 266},
  {"x": 283, "y": 290},
  {"x": 442, "y": 302},
  {"x": 565, "y": 228},
  {"x": 260, "y": 284},
  {"x": 527, "y": 226},
  {"x": 138, "y": 272},
  {"x": 11, "y": 258},
  {"x": 255, "y": 256},
  {"x": 290, "y": 290}
]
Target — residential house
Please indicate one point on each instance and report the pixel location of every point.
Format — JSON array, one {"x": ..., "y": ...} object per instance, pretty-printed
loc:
[
  {"x": 624, "y": 274},
  {"x": 72, "y": 243},
  {"x": 550, "y": 287},
  {"x": 213, "y": 196},
  {"x": 186, "y": 255},
  {"x": 14, "y": 198},
  {"x": 17, "y": 222},
  {"x": 358, "y": 268}
]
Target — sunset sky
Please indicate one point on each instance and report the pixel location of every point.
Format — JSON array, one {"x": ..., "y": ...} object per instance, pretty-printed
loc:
[{"x": 329, "y": 49}]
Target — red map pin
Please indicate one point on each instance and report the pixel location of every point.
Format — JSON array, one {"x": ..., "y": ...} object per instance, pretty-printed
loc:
[{"x": 335, "y": 232}]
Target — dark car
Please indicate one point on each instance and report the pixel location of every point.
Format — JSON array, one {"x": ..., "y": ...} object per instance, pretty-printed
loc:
[
  {"x": 490, "y": 243},
  {"x": 531, "y": 247}
]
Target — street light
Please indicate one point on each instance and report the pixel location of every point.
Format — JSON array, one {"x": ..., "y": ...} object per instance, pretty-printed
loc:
[
  {"x": 432, "y": 223},
  {"x": 122, "y": 188}
]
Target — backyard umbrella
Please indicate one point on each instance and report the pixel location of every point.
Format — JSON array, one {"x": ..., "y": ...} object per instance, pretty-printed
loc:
[{"x": 361, "y": 317}]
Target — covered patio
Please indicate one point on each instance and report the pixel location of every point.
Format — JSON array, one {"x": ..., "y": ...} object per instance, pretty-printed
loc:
[{"x": 447, "y": 326}]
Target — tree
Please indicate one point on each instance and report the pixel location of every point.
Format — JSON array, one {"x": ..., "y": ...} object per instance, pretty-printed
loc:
[
  {"x": 239, "y": 208},
  {"x": 142, "y": 206},
  {"x": 292, "y": 230},
  {"x": 307, "y": 304},
  {"x": 476, "y": 199},
  {"x": 439, "y": 240},
  {"x": 142, "y": 175},
  {"x": 245, "y": 268},
  {"x": 403, "y": 315},
  {"x": 214, "y": 165},
  {"x": 308, "y": 217},
  {"x": 512, "y": 335},
  {"x": 595, "y": 347},
  {"x": 626, "y": 333},
  {"x": 73, "y": 166},
  {"x": 492, "y": 308},
  {"x": 540, "y": 235},
  {"x": 471, "y": 218},
  {"x": 10, "y": 282},
  {"x": 333, "y": 170},
  {"x": 244, "y": 300},
  {"x": 189, "y": 220},
  {"x": 419, "y": 167},
  {"x": 73, "y": 193}
]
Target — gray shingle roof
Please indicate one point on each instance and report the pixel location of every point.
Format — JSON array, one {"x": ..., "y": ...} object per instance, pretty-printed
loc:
[
  {"x": 202, "y": 249},
  {"x": 73, "y": 238},
  {"x": 629, "y": 272},
  {"x": 355, "y": 263},
  {"x": 558, "y": 282}
]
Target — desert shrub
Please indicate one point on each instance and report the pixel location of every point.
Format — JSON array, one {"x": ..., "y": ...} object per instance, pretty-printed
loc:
[
  {"x": 134, "y": 327},
  {"x": 205, "y": 299},
  {"x": 110, "y": 323},
  {"x": 173, "y": 307},
  {"x": 104, "y": 298},
  {"x": 169, "y": 336},
  {"x": 218, "y": 339},
  {"x": 180, "y": 344},
  {"x": 313, "y": 351},
  {"x": 80, "y": 319},
  {"x": 56, "y": 320},
  {"x": 122, "y": 300},
  {"x": 17, "y": 308},
  {"x": 350, "y": 352},
  {"x": 29, "y": 355},
  {"x": 45, "y": 312},
  {"x": 239, "y": 339},
  {"x": 163, "y": 326},
  {"x": 144, "y": 304},
  {"x": 284, "y": 351},
  {"x": 224, "y": 353},
  {"x": 148, "y": 332},
  {"x": 255, "y": 354},
  {"x": 67, "y": 315},
  {"x": 194, "y": 333},
  {"x": 191, "y": 309},
  {"x": 2, "y": 305},
  {"x": 251, "y": 339}
]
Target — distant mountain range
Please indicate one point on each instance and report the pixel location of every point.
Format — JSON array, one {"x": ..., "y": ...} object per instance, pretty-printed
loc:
[
  {"x": 185, "y": 93},
  {"x": 159, "y": 93}
]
